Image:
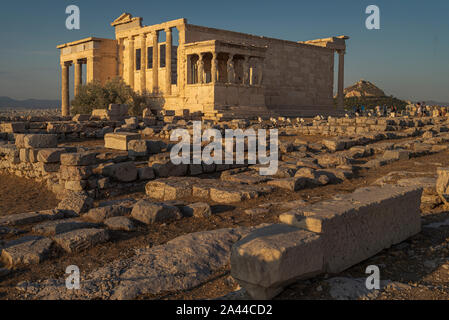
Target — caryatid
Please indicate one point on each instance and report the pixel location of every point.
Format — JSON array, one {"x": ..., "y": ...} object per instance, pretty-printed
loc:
[
  {"x": 230, "y": 69},
  {"x": 201, "y": 69},
  {"x": 245, "y": 71}
]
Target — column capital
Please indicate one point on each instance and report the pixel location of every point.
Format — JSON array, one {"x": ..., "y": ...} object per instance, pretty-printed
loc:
[
  {"x": 341, "y": 51},
  {"x": 168, "y": 30}
]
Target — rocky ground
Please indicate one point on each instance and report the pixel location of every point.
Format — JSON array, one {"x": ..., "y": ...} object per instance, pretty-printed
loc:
[{"x": 414, "y": 269}]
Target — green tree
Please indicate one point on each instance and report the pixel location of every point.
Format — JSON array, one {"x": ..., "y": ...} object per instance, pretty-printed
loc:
[{"x": 93, "y": 95}]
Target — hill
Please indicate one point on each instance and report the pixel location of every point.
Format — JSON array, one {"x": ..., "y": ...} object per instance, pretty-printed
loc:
[
  {"x": 365, "y": 93},
  {"x": 363, "y": 88},
  {"x": 7, "y": 102}
]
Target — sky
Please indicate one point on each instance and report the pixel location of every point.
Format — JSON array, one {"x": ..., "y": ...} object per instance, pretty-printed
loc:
[{"x": 408, "y": 57}]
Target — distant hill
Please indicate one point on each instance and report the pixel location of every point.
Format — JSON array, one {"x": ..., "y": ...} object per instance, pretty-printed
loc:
[
  {"x": 363, "y": 88},
  {"x": 6, "y": 102},
  {"x": 365, "y": 93}
]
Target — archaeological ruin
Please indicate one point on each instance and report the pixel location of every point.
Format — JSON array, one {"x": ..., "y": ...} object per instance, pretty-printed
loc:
[
  {"x": 223, "y": 74},
  {"x": 100, "y": 191}
]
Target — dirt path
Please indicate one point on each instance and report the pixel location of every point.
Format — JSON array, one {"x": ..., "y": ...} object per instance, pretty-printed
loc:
[{"x": 18, "y": 195}]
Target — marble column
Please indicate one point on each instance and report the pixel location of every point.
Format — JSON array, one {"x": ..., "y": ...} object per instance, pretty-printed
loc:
[
  {"x": 65, "y": 107},
  {"x": 214, "y": 75},
  {"x": 143, "y": 62},
  {"x": 341, "y": 78},
  {"x": 131, "y": 65},
  {"x": 154, "y": 35},
  {"x": 78, "y": 76},
  {"x": 168, "y": 50}
]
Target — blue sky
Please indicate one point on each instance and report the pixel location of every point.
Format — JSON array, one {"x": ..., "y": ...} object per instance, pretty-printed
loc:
[{"x": 408, "y": 57}]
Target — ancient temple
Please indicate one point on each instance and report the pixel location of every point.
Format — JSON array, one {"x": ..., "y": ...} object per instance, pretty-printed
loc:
[{"x": 224, "y": 74}]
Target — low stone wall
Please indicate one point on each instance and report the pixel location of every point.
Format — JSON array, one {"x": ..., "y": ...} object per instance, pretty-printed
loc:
[
  {"x": 361, "y": 125},
  {"x": 329, "y": 236}
]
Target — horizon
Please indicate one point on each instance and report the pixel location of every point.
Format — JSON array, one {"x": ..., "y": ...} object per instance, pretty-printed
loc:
[{"x": 404, "y": 58}]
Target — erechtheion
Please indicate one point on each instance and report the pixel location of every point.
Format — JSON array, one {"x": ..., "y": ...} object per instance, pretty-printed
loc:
[{"x": 220, "y": 73}]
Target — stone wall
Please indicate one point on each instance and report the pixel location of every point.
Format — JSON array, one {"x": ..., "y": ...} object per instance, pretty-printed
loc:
[{"x": 295, "y": 74}]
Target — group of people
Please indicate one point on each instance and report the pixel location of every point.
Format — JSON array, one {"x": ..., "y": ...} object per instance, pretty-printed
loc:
[
  {"x": 422, "y": 110},
  {"x": 379, "y": 110},
  {"x": 419, "y": 109}
]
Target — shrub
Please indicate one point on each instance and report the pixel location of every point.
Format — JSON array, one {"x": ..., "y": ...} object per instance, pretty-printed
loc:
[{"x": 93, "y": 95}]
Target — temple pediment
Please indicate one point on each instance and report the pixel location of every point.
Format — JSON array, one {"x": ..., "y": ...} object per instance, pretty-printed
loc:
[{"x": 126, "y": 18}]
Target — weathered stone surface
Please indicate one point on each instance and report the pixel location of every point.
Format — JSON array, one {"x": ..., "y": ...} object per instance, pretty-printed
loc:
[
  {"x": 79, "y": 158},
  {"x": 75, "y": 185},
  {"x": 49, "y": 167},
  {"x": 169, "y": 189},
  {"x": 334, "y": 144},
  {"x": 180, "y": 264},
  {"x": 13, "y": 127},
  {"x": 50, "y": 155},
  {"x": 81, "y": 239},
  {"x": 24, "y": 155},
  {"x": 75, "y": 172},
  {"x": 442, "y": 184},
  {"x": 120, "y": 223},
  {"x": 52, "y": 228},
  {"x": 124, "y": 171},
  {"x": 397, "y": 154},
  {"x": 195, "y": 169},
  {"x": 168, "y": 169},
  {"x": 30, "y": 217},
  {"x": 138, "y": 148},
  {"x": 332, "y": 160},
  {"x": 355, "y": 288},
  {"x": 7, "y": 230},
  {"x": 229, "y": 195},
  {"x": 119, "y": 140},
  {"x": 376, "y": 217},
  {"x": 101, "y": 213},
  {"x": 292, "y": 184},
  {"x": 272, "y": 257},
  {"x": 197, "y": 209},
  {"x": 245, "y": 178},
  {"x": 145, "y": 173},
  {"x": 149, "y": 212},
  {"x": 376, "y": 163},
  {"x": 76, "y": 202},
  {"x": 40, "y": 141},
  {"x": 25, "y": 251}
]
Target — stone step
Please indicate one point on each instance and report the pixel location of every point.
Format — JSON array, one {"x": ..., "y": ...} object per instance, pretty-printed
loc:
[
  {"x": 81, "y": 239},
  {"x": 25, "y": 251}
]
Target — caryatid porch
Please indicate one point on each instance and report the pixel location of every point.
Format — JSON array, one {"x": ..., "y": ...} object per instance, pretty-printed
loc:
[{"x": 222, "y": 74}]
